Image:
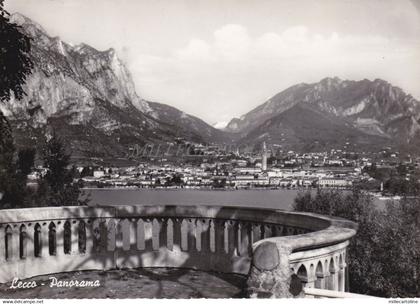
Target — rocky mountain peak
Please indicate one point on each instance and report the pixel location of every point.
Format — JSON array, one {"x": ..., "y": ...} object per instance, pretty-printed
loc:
[
  {"x": 26, "y": 22},
  {"x": 370, "y": 107},
  {"x": 88, "y": 96}
]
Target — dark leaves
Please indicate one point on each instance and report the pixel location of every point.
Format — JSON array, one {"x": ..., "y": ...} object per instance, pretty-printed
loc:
[{"x": 15, "y": 61}]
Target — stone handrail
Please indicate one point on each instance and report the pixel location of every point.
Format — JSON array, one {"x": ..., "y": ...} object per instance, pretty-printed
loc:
[{"x": 251, "y": 241}]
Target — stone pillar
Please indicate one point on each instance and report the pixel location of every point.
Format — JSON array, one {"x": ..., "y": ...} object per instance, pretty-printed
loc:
[
  {"x": 120, "y": 226},
  {"x": 320, "y": 281},
  {"x": 2, "y": 243},
  {"x": 245, "y": 246},
  {"x": 191, "y": 235},
  {"x": 268, "y": 231},
  {"x": 219, "y": 236},
  {"x": 270, "y": 274},
  {"x": 29, "y": 241},
  {"x": 132, "y": 231},
  {"x": 278, "y": 230},
  {"x": 44, "y": 240},
  {"x": 311, "y": 279},
  {"x": 232, "y": 234},
  {"x": 23, "y": 240},
  {"x": 163, "y": 232},
  {"x": 177, "y": 233},
  {"x": 148, "y": 234},
  {"x": 111, "y": 232},
  {"x": 334, "y": 279},
  {"x": 90, "y": 237},
  {"x": 342, "y": 278},
  {"x": 256, "y": 233},
  {"x": 15, "y": 254},
  {"x": 205, "y": 236},
  {"x": 74, "y": 239},
  {"x": 141, "y": 243},
  {"x": 103, "y": 236}
]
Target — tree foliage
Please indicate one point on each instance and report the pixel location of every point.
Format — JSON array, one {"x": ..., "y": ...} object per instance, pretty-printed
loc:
[
  {"x": 15, "y": 60},
  {"x": 384, "y": 255},
  {"x": 15, "y": 66},
  {"x": 58, "y": 187},
  {"x": 26, "y": 159}
]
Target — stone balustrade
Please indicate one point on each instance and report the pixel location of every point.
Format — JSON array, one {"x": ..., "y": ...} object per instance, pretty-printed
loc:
[{"x": 267, "y": 245}]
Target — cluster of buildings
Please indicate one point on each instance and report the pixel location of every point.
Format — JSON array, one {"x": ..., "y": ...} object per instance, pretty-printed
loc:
[
  {"x": 264, "y": 169},
  {"x": 216, "y": 177},
  {"x": 292, "y": 170}
]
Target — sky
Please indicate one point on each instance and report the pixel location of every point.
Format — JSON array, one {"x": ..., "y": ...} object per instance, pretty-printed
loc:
[{"x": 218, "y": 59}]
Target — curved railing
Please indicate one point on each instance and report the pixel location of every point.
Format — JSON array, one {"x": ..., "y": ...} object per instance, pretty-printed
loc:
[{"x": 265, "y": 244}]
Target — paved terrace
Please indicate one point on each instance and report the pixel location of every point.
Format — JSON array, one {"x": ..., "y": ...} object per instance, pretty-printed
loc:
[
  {"x": 166, "y": 283},
  {"x": 244, "y": 251}
]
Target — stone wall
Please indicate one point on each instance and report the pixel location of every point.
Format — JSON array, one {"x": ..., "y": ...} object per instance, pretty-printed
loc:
[{"x": 268, "y": 245}]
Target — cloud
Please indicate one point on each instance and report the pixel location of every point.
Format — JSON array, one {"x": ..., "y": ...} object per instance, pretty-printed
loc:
[
  {"x": 233, "y": 71},
  {"x": 232, "y": 44},
  {"x": 416, "y": 4},
  {"x": 196, "y": 50}
]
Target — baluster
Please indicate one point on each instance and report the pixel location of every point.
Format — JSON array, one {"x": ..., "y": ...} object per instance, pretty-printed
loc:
[
  {"x": 15, "y": 252},
  {"x": 212, "y": 230},
  {"x": 170, "y": 235},
  {"x": 103, "y": 235},
  {"x": 37, "y": 240},
  {"x": 125, "y": 237},
  {"x": 268, "y": 231},
  {"x": 311, "y": 277},
  {"x": 184, "y": 234},
  {"x": 74, "y": 240},
  {"x": 111, "y": 234},
  {"x": 132, "y": 230},
  {"x": 120, "y": 231},
  {"x": 29, "y": 241},
  {"x": 2, "y": 243},
  {"x": 256, "y": 232},
  {"x": 341, "y": 279},
  {"x": 52, "y": 239},
  {"x": 232, "y": 227},
  {"x": 163, "y": 232},
  {"x": 342, "y": 272},
  {"x": 290, "y": 231},
  {"x": 82, "y": 236},
  {"x": 246, "y": 239},
  {"x": 96, "y": 235},
  {"x": 320, "y": 276},
  {"x": 333, "y": 276},
  {"x": 278, "y": 230},
  {"x": 90, "y": 237},
  {"x": 141, "y": 245},
  {"x": 191, "y": 235},
  {"x": 67, "y": 237},
  {"x": 44, "y": 240},
  {"x": 155, "y": 234},
  {"x": 177, "y": 232},
  {"x": 23, "y": 237},
  {"x": 205, "y": 236},
  {"x": 148, "y": 234},
  {"x": 8, "y": 243},
  {"x": 219, "y": 235}
]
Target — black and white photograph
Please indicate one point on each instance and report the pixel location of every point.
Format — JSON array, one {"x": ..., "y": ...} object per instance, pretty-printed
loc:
[{"x": 209, "y": 149}]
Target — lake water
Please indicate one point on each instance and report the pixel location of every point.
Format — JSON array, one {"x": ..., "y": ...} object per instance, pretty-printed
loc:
[{"x": 276, "y": 199}]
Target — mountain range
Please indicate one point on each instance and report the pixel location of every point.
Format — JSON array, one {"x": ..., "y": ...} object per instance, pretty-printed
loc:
[
  {"x": 89, "y": 98},
  {"x": 333, "y": 113}
]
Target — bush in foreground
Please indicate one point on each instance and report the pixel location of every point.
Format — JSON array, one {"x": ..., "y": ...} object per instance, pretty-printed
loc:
[{"x": 384, "y": 256}]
